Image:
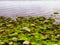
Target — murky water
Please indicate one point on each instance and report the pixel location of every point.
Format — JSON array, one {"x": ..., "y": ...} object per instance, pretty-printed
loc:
[{"x": 26, "y": 8}]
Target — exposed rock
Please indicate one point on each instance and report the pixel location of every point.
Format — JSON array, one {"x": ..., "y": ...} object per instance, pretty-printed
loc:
[
  {"x": 1, "y": 43},
  {"x": 14, "y": 39},
  {"x": 26, "y": 28},
  {"x": 26, "y": 43},
  {"x": 10, "y": 43},
  {"x": 55, "y": 44}
]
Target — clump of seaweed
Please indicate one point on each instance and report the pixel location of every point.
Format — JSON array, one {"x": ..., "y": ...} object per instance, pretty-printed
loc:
[
  {"x": 29, "y": 31},
  {"x": 56, "y": 12}
]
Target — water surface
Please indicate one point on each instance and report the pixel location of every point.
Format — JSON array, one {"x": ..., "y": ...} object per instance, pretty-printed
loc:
[{"x": 26, "y": 8}]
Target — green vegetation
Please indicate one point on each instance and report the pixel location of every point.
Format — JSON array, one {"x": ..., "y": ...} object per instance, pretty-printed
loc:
[
  {"x": 56, "y": 12},
  {"x": 29, "y": 31}
]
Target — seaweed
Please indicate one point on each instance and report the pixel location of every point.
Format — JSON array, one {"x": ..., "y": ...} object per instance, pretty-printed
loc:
[{"x": 29, "y": 31}]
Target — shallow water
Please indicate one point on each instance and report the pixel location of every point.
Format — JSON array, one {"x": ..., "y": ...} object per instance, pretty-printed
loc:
[{"x": 26, "y": 8}]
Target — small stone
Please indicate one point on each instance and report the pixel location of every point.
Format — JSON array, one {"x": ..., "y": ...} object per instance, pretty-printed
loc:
[
  {"x": 14, "y": 39},
  {"x": 2, "y": 30},
  {"x": 58, "y": 35},
  {"x": 10, "y": 43},
  {"x": 26, "y": 43},
  {"x": 55, "y": 44},
  {"x": 1, "y": 43},
  {"x": 26, "y": 28}
]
